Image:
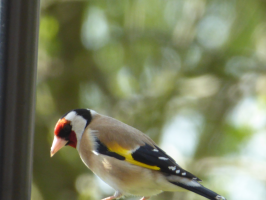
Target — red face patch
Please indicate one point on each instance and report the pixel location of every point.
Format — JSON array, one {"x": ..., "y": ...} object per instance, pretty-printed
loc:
[
  {"x": 63, "y": 130},
  {"x": 72, "y": 139},
  {"x": 59, "y": 125}
]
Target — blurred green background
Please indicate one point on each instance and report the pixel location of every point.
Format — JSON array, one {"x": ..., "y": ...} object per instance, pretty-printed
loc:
[{"x": 189, "y": 73}]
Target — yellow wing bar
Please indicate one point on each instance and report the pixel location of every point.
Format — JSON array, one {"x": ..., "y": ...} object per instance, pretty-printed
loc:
[{"x": 114, "y": 147}]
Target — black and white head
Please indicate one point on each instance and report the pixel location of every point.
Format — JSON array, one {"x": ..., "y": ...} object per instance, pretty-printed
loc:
[{"x": 70, "y": 127}]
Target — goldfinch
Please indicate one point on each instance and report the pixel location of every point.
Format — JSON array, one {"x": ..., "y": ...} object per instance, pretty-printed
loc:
[{"x": 123, "y": 157}]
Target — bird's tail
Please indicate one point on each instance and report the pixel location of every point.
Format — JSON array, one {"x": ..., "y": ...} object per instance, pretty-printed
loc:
[{"x": 201, "y": 190}]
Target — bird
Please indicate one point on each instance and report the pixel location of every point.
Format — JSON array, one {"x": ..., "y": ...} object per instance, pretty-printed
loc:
[{"x": 123, "y": 157}]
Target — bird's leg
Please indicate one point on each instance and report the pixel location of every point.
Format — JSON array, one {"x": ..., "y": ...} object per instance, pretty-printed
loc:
[
  {"x": 144, "y": 198},
  {"x": 115, "y": 196}
]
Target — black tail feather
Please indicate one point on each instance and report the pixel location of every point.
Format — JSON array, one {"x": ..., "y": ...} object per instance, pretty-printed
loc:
[{"x": 201, "y": 190}]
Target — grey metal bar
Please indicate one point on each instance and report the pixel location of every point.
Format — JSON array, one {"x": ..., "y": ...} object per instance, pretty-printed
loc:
[{"x": 19, "y": 20}]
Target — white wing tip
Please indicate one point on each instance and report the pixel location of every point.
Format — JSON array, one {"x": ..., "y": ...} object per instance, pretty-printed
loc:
[{"x": 219, "y": 197}]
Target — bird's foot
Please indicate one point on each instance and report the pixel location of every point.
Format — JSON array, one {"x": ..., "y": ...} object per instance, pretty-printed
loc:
[
  {"x": 144, "y": 198},
  {"x": 115, "y": 196}
]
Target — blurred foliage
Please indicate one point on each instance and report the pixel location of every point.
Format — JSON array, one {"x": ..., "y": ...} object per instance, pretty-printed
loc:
[{"x": 144, "y": 63}]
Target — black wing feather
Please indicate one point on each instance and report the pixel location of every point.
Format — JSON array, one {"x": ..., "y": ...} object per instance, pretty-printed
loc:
[
  {"x": 205, "y": 192},
  {"x": 157, "y": 157},
  {"x": 102, "y": 149}
]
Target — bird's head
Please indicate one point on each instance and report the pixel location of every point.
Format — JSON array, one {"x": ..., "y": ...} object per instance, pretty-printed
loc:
[{"x": 69, "y": 128}]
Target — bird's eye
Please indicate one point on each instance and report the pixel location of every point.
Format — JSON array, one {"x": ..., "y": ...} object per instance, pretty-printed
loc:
[{"x": 65, "y": 131}]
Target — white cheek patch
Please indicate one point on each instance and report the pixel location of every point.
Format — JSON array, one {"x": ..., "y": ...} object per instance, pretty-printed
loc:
[
  {"x": 70, "y": 116},
  {"x": 78, "y": 124}
]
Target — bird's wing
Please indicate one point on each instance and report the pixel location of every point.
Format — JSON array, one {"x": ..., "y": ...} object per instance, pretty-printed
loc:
[
  {"x": 126, "y": 143},
  {"x": 145, "y": 156}
]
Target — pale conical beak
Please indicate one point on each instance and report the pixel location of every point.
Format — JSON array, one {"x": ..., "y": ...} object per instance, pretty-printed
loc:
[{"x": 58, "y": 143}]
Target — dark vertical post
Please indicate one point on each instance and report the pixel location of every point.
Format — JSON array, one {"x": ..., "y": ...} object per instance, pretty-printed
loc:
[{"x": 18, "y": 58}]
